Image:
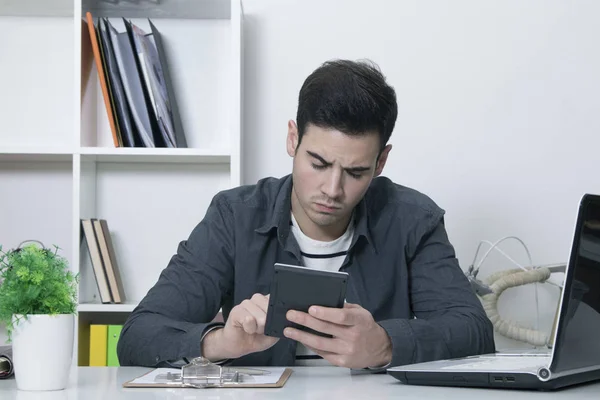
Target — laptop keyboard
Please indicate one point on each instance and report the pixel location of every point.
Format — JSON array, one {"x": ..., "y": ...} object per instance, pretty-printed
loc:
[{"x": 502, "y": 364}]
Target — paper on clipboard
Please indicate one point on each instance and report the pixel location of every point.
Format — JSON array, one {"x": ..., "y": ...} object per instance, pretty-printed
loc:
[{"x": 276, "y": 378}]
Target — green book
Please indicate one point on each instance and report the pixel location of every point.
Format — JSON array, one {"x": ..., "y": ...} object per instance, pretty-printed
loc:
[{"x": 114, "y": 331}]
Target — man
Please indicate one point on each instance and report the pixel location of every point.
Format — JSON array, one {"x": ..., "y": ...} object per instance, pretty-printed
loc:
[{"x": 407, "y": 298}]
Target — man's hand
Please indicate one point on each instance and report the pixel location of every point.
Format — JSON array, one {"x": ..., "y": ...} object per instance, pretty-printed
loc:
[
  {"x": 358, "y": 341},
  {"x": 243, "y": 332}
]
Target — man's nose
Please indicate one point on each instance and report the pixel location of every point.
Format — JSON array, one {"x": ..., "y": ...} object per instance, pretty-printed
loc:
[{"x": 333, "y": 186}]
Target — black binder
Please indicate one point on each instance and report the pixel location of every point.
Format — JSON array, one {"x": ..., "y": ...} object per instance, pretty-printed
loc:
[{"x": 137, "y": 62}]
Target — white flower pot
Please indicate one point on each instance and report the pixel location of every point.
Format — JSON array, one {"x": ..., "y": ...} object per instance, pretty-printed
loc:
[{"x": 43, "y": 351}]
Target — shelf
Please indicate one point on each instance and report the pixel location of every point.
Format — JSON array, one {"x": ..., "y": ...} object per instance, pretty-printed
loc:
[
  {"x": 189, "y": 9},
  {"x": 97, "y": 307},
  {"x": 61, "y": 165},
  {"x": 203, "y": 90},
  {"x": 126, "y": 307},
  {"x": 36, "y": 8},
  {"x": 158, "y": 155},
  {"x": 24, "y": 153}
]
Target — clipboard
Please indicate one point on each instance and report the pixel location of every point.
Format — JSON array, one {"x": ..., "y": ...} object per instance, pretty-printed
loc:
[{"x": 200, "y": 373}]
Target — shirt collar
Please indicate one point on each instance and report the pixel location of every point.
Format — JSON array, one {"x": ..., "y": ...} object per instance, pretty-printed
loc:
[{"x": 280, "y": 217}]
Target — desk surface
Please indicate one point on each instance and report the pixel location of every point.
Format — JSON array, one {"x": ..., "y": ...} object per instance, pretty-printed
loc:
[{"x": 304, "y": 383}]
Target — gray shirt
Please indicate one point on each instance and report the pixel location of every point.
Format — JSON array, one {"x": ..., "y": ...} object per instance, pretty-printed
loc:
[{"x": 401, "y": 264}]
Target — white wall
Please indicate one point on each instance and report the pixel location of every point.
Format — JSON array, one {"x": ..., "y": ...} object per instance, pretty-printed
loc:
[{"x": 498, "y": 110}]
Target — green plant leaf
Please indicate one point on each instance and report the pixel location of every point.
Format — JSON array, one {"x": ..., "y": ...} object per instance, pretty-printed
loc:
[{"x": 35, "y": 280}]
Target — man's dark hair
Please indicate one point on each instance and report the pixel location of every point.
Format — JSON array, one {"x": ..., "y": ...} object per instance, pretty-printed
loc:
[{"x": 349, "y": 96}]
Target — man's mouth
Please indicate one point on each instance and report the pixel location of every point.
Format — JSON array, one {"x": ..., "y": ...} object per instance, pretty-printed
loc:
[{"x": 326, "y": 208}]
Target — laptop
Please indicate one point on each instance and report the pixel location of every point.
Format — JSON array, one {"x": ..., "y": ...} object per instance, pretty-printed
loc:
[{"x": 575, "y": 355}]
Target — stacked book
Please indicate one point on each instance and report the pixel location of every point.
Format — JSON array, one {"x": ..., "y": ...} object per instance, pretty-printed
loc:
[
  {"x": 104, "y": 260},
  {"x": 136, "y": 86}
]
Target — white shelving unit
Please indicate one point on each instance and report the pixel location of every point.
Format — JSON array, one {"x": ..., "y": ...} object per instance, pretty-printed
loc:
[{"x": 57, "y": 160}]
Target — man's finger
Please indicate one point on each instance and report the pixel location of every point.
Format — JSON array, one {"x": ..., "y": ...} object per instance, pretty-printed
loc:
[
  {"x": 261, "y": 301},
  {"x": 341, "y": 316},
  {"x": 324, "y": 354},
  {"x": 257, "y": 314},
  {"x": 332, "y": 358},
  {"x": 249, "y": 325},
  {"x": 332, "y": 345},
  {"x": 316, "y": 324}
]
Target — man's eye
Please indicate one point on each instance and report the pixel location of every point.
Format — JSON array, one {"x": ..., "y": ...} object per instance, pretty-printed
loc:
[
  {"x": 318, "y": 166},
  {"x": 355, "y": 176}
]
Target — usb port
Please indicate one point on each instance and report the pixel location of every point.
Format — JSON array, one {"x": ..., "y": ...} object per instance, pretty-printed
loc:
[
  {"x": 510, "y": 379},
  {"x": 497, "y": 379}
]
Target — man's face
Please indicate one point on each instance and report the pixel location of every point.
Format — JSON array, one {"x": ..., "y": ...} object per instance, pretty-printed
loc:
[{"x": 331, "y": 173}]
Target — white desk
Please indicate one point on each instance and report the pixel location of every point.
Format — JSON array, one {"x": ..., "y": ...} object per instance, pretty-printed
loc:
[{"x": 306, "y": 383}]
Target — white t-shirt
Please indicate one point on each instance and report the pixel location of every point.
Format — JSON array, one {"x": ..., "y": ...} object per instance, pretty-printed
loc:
[{"x": 325, "y": 256}]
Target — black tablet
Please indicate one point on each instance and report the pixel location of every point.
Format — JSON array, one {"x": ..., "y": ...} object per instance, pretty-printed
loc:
[{"x": 298, "y": 288}]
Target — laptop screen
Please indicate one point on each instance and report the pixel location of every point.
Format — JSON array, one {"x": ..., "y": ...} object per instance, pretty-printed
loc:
[{"x": 577, "y": 342}]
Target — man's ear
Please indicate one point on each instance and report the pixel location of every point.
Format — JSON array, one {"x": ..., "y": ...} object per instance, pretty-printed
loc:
[
  {"x": 292, "y": 138},
  {"x": 382, "y": 159}
]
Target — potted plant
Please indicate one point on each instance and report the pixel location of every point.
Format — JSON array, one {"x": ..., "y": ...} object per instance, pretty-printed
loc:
[{"x": 38, "y": 302}]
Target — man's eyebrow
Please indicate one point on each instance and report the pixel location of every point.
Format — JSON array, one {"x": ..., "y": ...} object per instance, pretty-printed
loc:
[
  {"x": 327, "y": 163},
  {"x": 318, "y": 157},
  {"x": 357, "y": 169}
]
